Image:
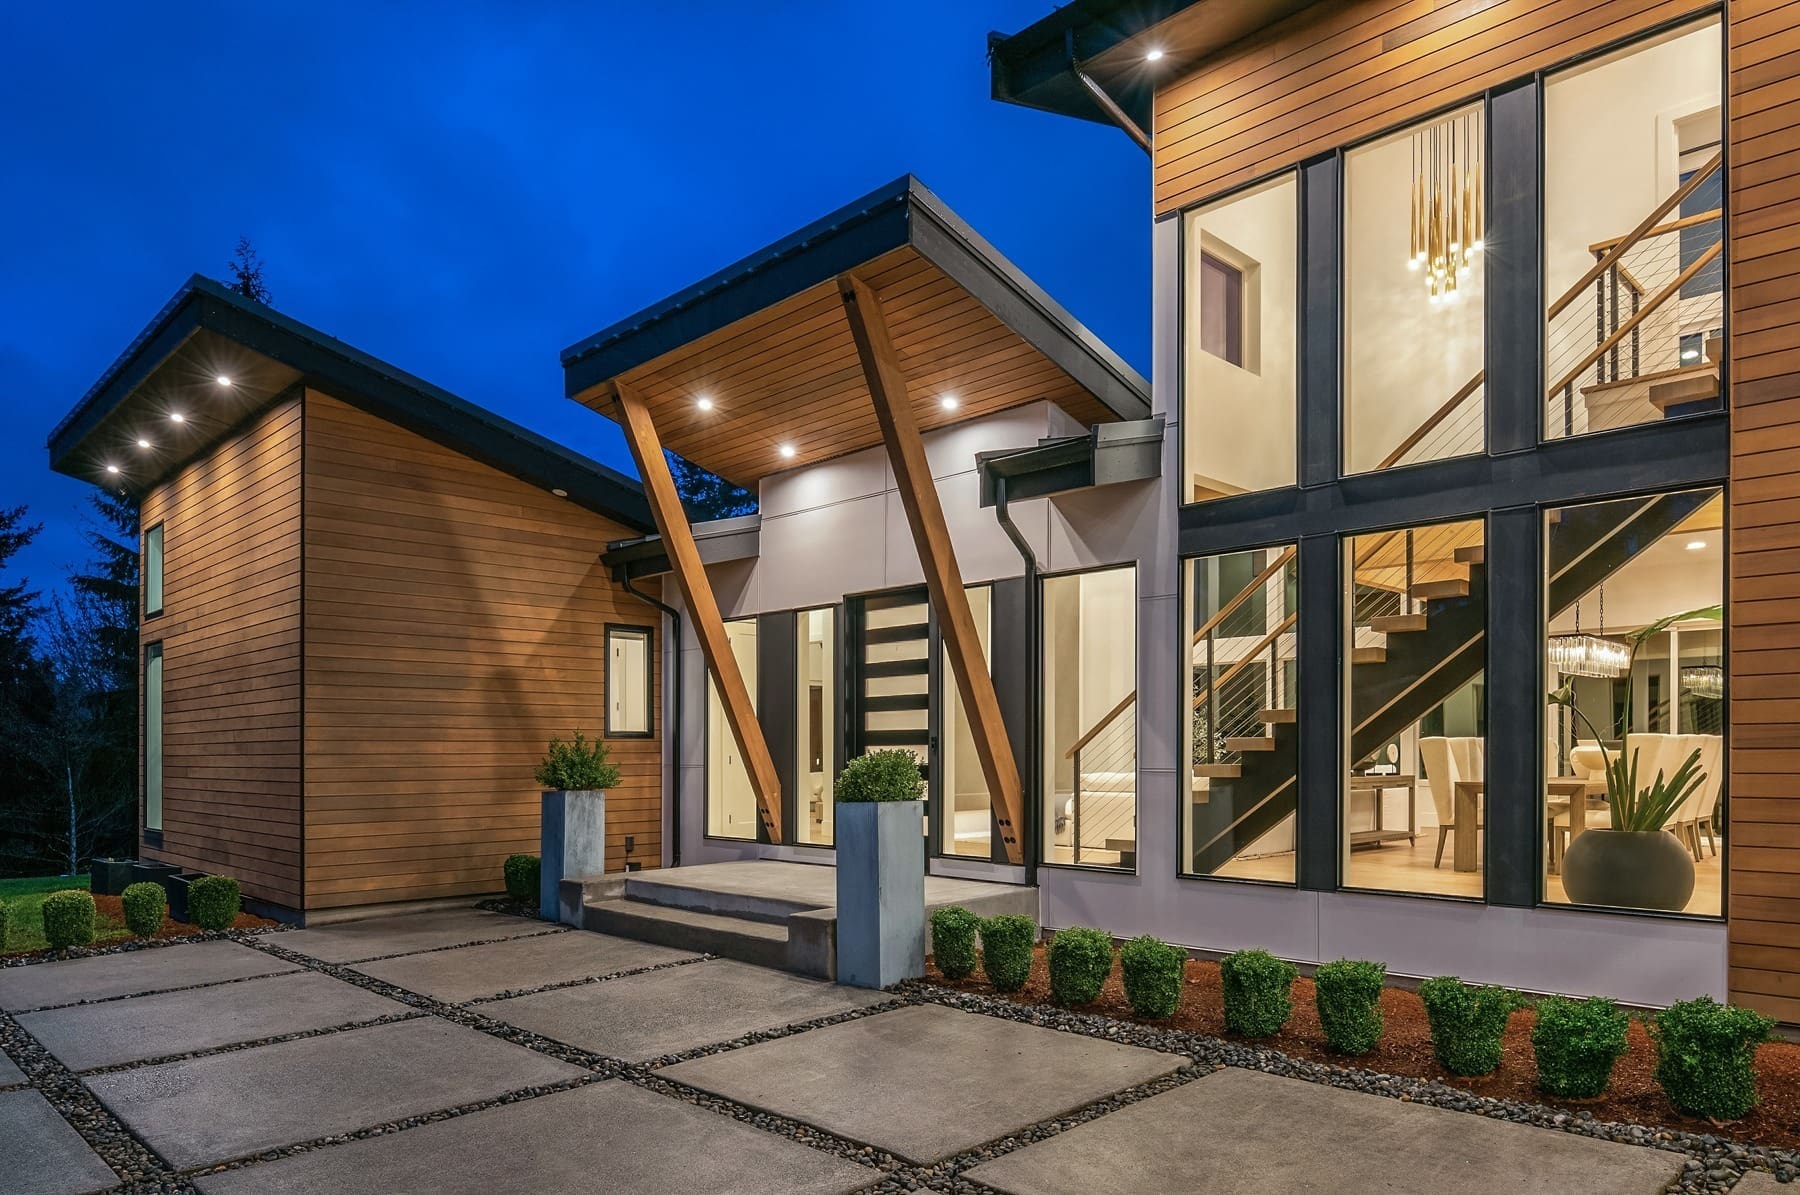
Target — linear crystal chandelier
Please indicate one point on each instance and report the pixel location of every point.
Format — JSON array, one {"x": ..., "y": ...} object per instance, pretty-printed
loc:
[
  {"x": 1447, "y": 217},
  {"x": 1589, "y": 655}
]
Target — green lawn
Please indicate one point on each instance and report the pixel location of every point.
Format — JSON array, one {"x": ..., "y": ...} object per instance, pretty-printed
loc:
[{"x": 24, "y": 900}]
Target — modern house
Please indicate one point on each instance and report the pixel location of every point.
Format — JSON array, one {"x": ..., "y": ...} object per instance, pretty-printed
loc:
[{"x": 1474, "y": 383}]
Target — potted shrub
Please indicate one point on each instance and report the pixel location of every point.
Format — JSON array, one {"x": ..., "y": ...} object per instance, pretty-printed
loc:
[
  {"x": 1633, "y": 863},
  {"x": 880, "y": 876},
  {"x": 572, "y": 832}
]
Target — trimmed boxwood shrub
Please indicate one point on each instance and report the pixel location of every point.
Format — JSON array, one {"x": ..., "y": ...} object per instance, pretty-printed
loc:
[
  {"x": 69, "y": 918},
  {"x": 213, "y": 902},
  {"x": 145, "y": 905},
  {"x": 1080, "y": 961},
  {"x": 1006, "y": 943},
  {"x": 1467, "y": 1023},
  {"x": 1576, "y": 1043},
  {"x": 1706, "y": 1056},
  {"x": 886, "y": 775},
  {"x": 1259, "y": 992},
  {"x": 1348, "y": 995},
  {"x": 953, "y": 930},
  {"x": 522, "y": 874},
  {"x": 1152, "y": 970}
]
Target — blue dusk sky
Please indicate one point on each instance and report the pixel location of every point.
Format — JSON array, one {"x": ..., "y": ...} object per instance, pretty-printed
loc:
[{"x": 465, "y": 189}]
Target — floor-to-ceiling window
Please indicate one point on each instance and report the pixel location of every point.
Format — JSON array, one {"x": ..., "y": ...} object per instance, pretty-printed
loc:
[
  {"x": 966, "y": 817},
  {"x": 1241, "y": 719},
  {"x": 816, "y": 703},
  {"x": 1635, "y": 662},
  {"x": 1415, "y": 717},
  {"x": 730, "y": 800},
  {"x": 1089, "y": 765}
]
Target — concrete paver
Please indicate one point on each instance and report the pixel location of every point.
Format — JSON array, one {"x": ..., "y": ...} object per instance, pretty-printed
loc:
[
  {"x": 608, "y": 1136},
  {"x": 229, "y": 1105},
  {"x": 10, "y": 1072},
  {"x": 474, "y": 972},
  {"x": 641, "y": 1017},
  {"x": 924, "y": 1082},
  {"x": 155, "y": 969},
  {"x": 1761, "y": 1182},
  {"x": 354, "y": 941},
  {"x": 120, "y": 1031},
  {"x": 1249, "y": 1133},
  {"x": 41, "y": 1155}
]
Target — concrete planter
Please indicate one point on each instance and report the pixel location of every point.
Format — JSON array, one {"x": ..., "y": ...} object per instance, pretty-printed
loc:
[
  {"x": 880, "y": 893},
  {"x": 572, "y": 838}
]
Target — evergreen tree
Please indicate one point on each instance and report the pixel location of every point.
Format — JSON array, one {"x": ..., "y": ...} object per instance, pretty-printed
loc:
[
  {"x": 706, "y": 495},
  {"x": 24, "y": 693},
  {"x": 244, "y": 274}
]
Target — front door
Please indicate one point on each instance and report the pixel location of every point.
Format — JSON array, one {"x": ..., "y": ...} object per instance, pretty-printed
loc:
[{"x": 889, "y": 640}]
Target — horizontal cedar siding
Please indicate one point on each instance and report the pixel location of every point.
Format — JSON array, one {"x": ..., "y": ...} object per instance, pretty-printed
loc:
[
  {"x": 1764, "y": 791},
  {"x": 230, "y": 631},
  {"x": 1344, "y": 70},
  {"x": 455, "y": 620}
]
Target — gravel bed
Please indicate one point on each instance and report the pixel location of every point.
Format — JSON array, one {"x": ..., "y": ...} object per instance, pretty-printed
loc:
[
  {"x": 1714, "y": 1164},
  {"x": 132, "y": 944},
  {"x": 512, "y": 908}
]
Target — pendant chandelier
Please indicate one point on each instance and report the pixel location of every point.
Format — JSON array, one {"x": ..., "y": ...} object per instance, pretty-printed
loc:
[
  {"x": 1704, "y": 680},
  {"x": 1589, "y": 655},
  {"x": 1447, "y": 218}
]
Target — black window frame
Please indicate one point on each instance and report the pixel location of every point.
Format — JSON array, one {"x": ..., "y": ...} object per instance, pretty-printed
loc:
[
  {"x": 153, "y": 835},
  {"x": 160, "y": 530},
  {"x": 648, "y": 634}
]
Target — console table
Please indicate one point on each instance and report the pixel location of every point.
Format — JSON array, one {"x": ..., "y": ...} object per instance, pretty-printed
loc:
[{"x": 1378, "y": 785}]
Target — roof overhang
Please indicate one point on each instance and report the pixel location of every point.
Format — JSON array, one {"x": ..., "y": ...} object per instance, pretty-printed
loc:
[
  {"x": 719, "y": 541},
  {"x": 766, "y": 342},
  {"x": 207, "y": 332},
  {"x": 1108, "y": 41}
]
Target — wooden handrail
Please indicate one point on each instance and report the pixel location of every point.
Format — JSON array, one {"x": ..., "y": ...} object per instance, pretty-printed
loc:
[
  {"x": 1671, "y": 226},
  {"x": 1242, "y": 595},
  {"x": 1126, "y": 703},
  {"x": 1437, "y": 417},
  {"x": 1635, "y": 235},
  {"x": 1281, "y": 629},
  {"x": 1624, "y": 329}
]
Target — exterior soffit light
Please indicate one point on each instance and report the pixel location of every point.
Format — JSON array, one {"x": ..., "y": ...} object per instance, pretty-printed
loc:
[
  {"x": 176, "y": 417},
  {"x": 787, "y": 452},
  {"x": 112, "y": 468},
  {"x": 143, "y": 443},
  {"x": 704, "y": 403},
  {"x": 949, "y": 402},
  {"x": 1154, "y": 55},
  {"x": 223, "y": 380},
  {"x": 560, "y": 493}
]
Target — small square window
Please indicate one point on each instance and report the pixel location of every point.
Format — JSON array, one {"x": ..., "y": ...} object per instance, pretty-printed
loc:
[
  {"x": 1222, "y": 309},
  {"x": 629, "y": 692}
]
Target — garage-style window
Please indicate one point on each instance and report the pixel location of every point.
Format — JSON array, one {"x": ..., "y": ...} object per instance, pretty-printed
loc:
[{"x": 629, "y": 692}]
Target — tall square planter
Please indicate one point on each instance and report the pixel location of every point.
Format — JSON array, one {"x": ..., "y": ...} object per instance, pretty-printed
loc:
[
  {"x": 880, "y": 893},
  {"x": 572, "y": 845},
  {"x": 108, "y": 877}
]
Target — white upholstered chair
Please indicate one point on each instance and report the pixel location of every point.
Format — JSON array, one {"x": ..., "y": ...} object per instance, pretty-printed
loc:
[{"x": 1448, "y": 761}]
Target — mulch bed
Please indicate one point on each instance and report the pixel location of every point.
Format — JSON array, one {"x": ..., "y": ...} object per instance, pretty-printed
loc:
[
  {"x": 113, "y": 908},
  {"x": 1405, "y": 1049}
]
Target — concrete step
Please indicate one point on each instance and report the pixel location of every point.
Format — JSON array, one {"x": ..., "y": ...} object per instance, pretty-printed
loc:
[
  {"x": 1397, "y": 624},
  {"x": 684, "y": 929},
  {"x": 671, "y": 890}
]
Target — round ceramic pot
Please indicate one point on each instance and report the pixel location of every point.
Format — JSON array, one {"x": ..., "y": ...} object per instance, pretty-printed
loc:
[{"x": 1628, "y": 869}]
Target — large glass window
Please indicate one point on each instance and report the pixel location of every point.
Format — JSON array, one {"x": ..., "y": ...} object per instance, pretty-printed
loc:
[
  {"x": 1242, "y": 623},
  {"x": 1636, "y": 320},
  {"x": 153, "y": 737},
  {"x": 1414, "y": 269},
  {"x": 153, "y": 570},
  {"x": 967, "y": 819},
  {"x": 1415, "y": 796},
  {"x": 1090, "y": 718},
  {"x": 730, "y": 801},
  {"x": 1635, "y": 647},
  {"x": 1241, "y": 312},
  {"x": 815, "y": 764},
  {"x": 629, "y": 682}
]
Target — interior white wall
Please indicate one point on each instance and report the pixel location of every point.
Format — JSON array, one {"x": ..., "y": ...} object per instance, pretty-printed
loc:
[
  {"x": 1240, "y": 435},
  {"x": 1405, "y": 356}
]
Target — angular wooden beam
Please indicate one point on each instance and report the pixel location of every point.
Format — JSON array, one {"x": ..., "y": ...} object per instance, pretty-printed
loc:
[
  {"x": 931, "y": 535},
  {"x": 703, "y": 607}
]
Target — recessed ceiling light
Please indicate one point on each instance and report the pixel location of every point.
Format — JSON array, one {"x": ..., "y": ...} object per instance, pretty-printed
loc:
[
  {"x": 786, "y": 451},
  {"x": 1153, "y": 56},
  {"x": 1689, "y": 354},
  {"x": 560, "y": 493},
  {"x": 222, "y": 380},
  {"x": 949, "y": 402},
  {"x": 112, "y": 468},
  {"x": 143, "y": 443},
  {"x": 1694, "y": 545},
  {"x": 176, "y": 417},
  {"x": 704, "y": 403}
]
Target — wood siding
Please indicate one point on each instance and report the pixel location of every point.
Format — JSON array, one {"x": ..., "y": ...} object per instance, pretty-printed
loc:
[
  {"x": 230, "y": 630},
  {"x": 454, "y": 621},
  {"x": 1347, "y": 69},
  {"x": 1764, "y": 163}
]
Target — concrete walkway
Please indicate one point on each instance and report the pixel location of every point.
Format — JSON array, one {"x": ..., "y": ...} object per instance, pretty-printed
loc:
[{"x": 466, "y": 1052}]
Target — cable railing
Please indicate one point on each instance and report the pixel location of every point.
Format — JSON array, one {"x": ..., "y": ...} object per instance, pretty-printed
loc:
[
  {"x": 1103, "y": 805},
  {"x": 1389, "y": 567},
  {"x": 1239, "y": 678}
]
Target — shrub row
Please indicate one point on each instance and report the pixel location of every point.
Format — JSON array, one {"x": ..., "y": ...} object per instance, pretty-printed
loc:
[
  {"x": 145, "y": 905},
  {"x": 1705, "y": 1051}
]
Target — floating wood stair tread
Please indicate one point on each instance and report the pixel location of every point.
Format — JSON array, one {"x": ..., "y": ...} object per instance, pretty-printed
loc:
[
  {"x": 1455, "y": 587},
  {"x": 1397, "y": 624},
  {"x": 1473, "y": 554},
  {"x": 1715, "y": 349},
  {"x": 1369, "y": 655},
  {"x": 1122, "y": 845},
  {"x": 1699, "y": 388},
  {"x": 1249, "y": 744},
  {"x": 1219, "y": 771},
  {"x": 1272, "y": 717},
  {"x": 1678, "y": 373}
]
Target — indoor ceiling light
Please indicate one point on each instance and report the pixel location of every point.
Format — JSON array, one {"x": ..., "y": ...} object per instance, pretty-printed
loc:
[
  {"x": 949, "y": 402},
  {"x": 222, "y": 380},
  {"x": 704, "y": 403},
  {"x": 1694, "y": 545},
  {"x": 1153, "y": 56},
  {"x": 786, "y": 451},
  {"x": 1689, "y": 354},
  {"x": 112, "y": 468},
  {"x": 175, "y": 417}
]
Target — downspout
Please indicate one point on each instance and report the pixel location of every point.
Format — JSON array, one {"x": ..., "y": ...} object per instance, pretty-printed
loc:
[
  {"x": 1034, "y": 667},
  {"x": 675, "y": 718}
]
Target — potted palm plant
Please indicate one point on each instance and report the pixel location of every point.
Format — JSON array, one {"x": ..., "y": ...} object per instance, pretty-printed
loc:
[
  {"x": 1633, "y": 863},
  {"x": 575, "y": 775},
  {"x": 880, "y": 876}
]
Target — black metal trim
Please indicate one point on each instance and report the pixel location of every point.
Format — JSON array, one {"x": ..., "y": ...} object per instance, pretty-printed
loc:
[
  {"x": 1513, "y": 847},
  {"x": 1323, "y": 635},
  {"x": 1012, "y": 648},
  {"x": 671, "y": 749},
  {"x": 145, "y": 612},
  {"x": 1319, "y": 384},
  {"x": 1513, "y": 268},
  {"x": 609, "y": 629},
  {"x": 777, "y": 709}
]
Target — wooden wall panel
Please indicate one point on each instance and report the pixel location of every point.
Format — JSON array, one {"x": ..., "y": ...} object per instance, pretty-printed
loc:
[
  {"x": 1348, "y": 69},
  {"x": 230, "y": 631},
  {"x": 454, "y": 620},
  {"x": 1764, "y": 203}
]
